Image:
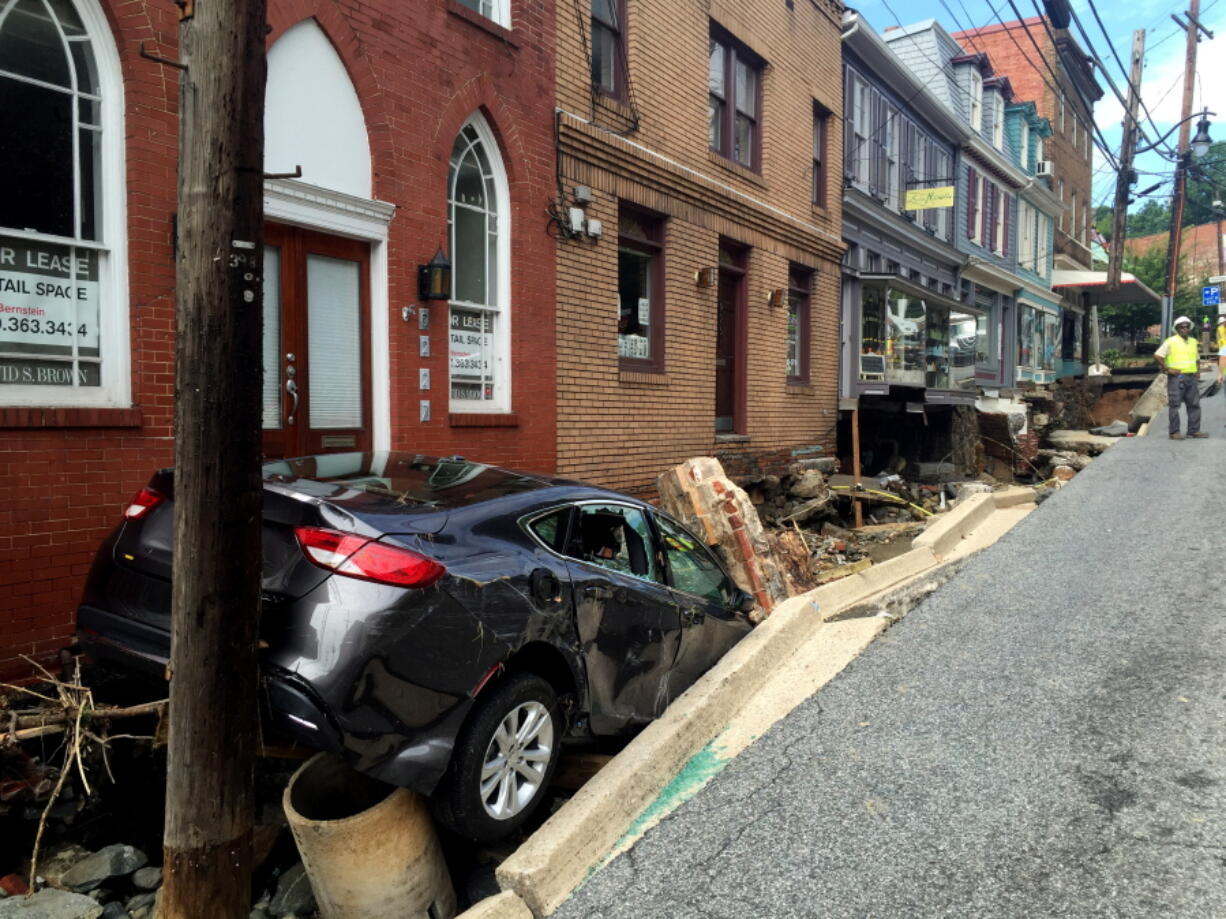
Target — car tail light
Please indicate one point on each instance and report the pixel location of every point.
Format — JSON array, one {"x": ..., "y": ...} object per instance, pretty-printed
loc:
[
  {"x": 142, "y": 503},
  {"x": 361, "y": 557}
]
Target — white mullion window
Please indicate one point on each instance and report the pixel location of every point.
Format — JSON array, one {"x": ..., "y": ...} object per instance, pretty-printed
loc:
[
  {"x": 63, "y": 309},
  {"x": 976, "y": 101},
  {"x": 479, "y": 314},
  {"x": 491, "y": 9}
]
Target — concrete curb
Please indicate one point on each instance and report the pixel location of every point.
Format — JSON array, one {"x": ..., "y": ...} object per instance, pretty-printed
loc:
[{"x": 538, "y": 877}]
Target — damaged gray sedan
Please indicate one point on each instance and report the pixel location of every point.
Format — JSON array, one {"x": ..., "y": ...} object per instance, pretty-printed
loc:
[{"x": 443, "y": 624}]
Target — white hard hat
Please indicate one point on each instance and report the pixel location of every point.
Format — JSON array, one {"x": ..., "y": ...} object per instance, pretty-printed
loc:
[{"x": 1182, "y": 320}]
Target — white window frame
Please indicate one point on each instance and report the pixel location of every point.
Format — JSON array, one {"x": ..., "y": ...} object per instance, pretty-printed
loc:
[
  {"x": 498, "y": 11},
  {"x": 501, "y": 403},
  {"x": 980, "y": 190},
  {"x": 1024, "y": 144},
  {"x": 998, "y": 120},
  {"x": 976, "y": 100},
  {"x": 1001, "y": 228},
  {"x": 114, "y": 330}
]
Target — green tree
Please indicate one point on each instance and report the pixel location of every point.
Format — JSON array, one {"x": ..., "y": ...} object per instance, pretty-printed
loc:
[
  {"x": 1206, "y": 184},
  {"x": 1151, "y": 218},
  {"x": 1149, "y": 267}
]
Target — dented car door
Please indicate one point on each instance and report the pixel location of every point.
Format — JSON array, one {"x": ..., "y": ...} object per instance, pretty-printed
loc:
[{"x": 628, "y": 622}]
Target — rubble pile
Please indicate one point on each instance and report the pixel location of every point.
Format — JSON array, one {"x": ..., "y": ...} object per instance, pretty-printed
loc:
[
  {"x": 802, "y": 532},
  {"x": 101, "y": 822}
]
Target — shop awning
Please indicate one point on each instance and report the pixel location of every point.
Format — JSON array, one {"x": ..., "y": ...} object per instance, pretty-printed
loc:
[{"x": 1094, "y": 283}]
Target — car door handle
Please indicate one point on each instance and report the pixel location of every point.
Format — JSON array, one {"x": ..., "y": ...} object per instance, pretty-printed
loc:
[
  {"x": 692, "y": 615},
  {"x": 598, "y": 592}
]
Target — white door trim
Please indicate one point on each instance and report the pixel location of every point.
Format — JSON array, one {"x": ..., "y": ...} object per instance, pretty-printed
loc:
[{"x": 311, "y": 207}]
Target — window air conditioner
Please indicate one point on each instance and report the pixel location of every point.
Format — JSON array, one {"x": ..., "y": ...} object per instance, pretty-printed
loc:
[{"x": 1043, "y": 168}]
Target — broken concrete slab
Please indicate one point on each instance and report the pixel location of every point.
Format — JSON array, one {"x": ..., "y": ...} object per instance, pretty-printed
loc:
[
  {"x": 50, "y": 903},
  {"x": 1114, "y": 429},
  {"x": 1081, "y": 442}
]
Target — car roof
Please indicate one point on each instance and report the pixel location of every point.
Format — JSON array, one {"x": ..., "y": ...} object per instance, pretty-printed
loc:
[{"x": 416, "y": 483}]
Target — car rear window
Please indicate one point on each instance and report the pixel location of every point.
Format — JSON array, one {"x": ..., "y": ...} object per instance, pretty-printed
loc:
[{"x": 408, "y": 478}]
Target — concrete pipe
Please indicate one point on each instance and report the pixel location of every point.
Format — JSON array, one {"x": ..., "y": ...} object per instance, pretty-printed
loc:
[{"x": 369, "y": 848}]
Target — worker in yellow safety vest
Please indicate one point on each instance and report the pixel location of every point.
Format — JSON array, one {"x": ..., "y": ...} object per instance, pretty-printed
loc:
[
  {"x": 1178, "y": 357},
  {"x": 1221, "y": 348}
]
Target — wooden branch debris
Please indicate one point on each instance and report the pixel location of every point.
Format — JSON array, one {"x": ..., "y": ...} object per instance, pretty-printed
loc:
[{"x": 16, "y": 726}]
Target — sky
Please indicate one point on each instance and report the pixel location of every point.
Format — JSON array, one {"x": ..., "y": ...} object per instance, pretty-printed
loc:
[{"x": 1161, "y": 81}]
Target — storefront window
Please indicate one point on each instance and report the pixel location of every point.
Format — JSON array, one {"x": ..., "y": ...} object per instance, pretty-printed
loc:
[
  {"x": 62, "y": 338},
  {"x": 893, "y": 336},
  {"x": 639, "y": 288},
  {"x": 1025, "y": 336},
  {"x": 1051, "y": 340},
  {"x": 937, "y": 349},
  {"x": 963, "y": 349}
]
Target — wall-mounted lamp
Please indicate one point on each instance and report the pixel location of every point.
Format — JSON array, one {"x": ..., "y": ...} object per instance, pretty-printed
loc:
[
  {"x": 434, "y": 278},
  {"x": 778, "y": 297},
  {"x": 705, "y": 277}
]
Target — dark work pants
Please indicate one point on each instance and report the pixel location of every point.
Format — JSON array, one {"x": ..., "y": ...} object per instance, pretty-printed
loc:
[{"x": 1184, "y": 389}]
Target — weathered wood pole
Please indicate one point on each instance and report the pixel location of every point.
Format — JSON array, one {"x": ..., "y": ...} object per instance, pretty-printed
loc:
[{"x": 219, "y": 296}]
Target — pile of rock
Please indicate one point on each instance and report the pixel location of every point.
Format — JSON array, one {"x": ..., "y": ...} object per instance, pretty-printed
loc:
[
  {"x": 113, "y": 883},
  {"x": 798, "y": 495},
  {"x": 116, "y": 882}
]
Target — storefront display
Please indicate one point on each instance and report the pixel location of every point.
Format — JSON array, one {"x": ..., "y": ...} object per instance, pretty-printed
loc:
[{"x": 914, "y": 340}]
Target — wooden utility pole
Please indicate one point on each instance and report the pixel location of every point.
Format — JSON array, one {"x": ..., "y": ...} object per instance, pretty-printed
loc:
[
  {"x": 218, "y": 496},
  {"x": 1181, "y": 167},
  {"x": 1123, "y": 181}
]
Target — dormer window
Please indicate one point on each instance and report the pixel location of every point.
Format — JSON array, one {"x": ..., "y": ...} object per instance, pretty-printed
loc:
[
  {"x": 1023, "y": 150},
  {"x": 976, "y": 112},
  {"x": 998, "y": 121}
]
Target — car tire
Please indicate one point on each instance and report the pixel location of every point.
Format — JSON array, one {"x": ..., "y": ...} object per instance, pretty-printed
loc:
[{"x": 503, "y": 761}]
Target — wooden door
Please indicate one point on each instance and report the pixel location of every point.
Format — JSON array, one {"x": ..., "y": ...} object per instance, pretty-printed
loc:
[{"x": 316, "y": 343}]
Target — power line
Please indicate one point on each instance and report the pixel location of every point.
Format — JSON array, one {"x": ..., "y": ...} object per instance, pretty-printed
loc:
[
  {"x": 1123, "y": 69},
  {"x": 1095, "y": 132}
]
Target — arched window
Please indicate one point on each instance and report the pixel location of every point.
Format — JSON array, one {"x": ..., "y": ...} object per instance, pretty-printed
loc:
[
  {"x": 477, "y": 205},
  {"x": 63, "y": 335}
]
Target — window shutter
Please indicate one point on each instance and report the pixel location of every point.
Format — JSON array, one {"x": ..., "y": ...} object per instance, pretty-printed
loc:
[
  {"x": 972, "y": 195},
  {"x": 849, "y": 123},
  {"x": 882, "y": 167},
  {"x": 1004, "y": 242},
  {"x": 985, "y": 215}
]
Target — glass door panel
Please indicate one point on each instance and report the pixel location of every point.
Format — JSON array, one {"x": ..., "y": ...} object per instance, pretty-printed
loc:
[{"x": 334, "y": 342}]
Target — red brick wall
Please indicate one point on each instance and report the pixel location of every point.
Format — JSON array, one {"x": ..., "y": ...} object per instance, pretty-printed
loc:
[{"x": 420, "y": 69}]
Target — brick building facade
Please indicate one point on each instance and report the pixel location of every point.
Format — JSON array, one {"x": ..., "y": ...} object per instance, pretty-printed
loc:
[
  {"x": 416, "y": 125},
  {"x": 698, "y": 239},
  {"x": 1045, "y": 65}
]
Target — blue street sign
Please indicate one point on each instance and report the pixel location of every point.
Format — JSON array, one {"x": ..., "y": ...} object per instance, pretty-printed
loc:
[{"x": 1210, "y": 296}]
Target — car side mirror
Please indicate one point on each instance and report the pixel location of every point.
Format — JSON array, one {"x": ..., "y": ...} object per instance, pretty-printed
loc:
[{"x": 743, "y": 602}]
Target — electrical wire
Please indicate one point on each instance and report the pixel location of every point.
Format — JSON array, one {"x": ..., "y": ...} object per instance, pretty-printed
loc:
[{"x": 1124, "y": 70}]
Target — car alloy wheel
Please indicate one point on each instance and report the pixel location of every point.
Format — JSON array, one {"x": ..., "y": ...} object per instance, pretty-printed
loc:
[
  {"x": 516, "y": 760},
  {"x": 503, "y": 761}
]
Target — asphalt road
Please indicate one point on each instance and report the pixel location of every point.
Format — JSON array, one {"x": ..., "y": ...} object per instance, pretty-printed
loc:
[{"x": 1043, "y": 736}]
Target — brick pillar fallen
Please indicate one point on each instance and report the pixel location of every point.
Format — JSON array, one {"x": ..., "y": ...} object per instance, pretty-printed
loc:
[{"x": 698, "y": 494}]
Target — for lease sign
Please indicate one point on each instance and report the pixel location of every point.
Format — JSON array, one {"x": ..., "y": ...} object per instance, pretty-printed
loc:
[{"x": 48, "y": 297}]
